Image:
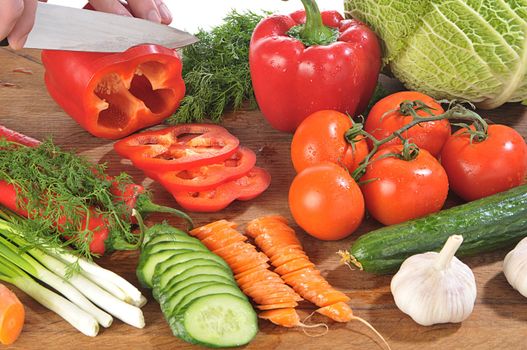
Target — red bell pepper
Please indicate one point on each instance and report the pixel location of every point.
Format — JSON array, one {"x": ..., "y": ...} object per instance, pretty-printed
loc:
[
  {"x": 244, "y": 188},
  {"x": 179, "y": 147},
  {"x": 326, "y": 63},
  {"x": 207, "y": 177},
  {"x": 132, "y": 195},
  {"x": 111, "y": 95}
]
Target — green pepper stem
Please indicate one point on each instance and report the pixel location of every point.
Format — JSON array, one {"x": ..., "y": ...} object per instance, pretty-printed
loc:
[
  {"x": 145, "y": 205},
  {"x": 314, "y": 30}
]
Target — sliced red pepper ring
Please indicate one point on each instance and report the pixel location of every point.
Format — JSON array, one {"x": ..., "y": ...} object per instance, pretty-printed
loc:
[
  {"x": 244, "y": 188},
  {"x": 179, "y": 147},
  {"x": 207, "y": 177}
]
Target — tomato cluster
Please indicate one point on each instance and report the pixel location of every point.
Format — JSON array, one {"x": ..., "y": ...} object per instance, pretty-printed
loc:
[
  {"x": 201, "y": 165},
  {"x": 403, "y": 163}
]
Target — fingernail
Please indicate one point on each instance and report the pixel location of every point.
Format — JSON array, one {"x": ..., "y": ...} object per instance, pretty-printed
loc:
[
  {"x": 153, "y": 16},
  {"x": 165, "y": 13}
]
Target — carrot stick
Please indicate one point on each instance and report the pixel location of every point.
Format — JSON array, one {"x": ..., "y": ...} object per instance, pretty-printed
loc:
[{"x": 11, "y": 316}]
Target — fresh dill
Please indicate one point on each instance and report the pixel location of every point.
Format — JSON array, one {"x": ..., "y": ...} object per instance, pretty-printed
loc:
[
  {"x": 61, "y": 191},
  {"x": 216, "y": 70}
]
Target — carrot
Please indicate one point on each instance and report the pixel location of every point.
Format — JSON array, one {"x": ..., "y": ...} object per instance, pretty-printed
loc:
[
  {"x": 11, "y": 316},
  {"x": 251, "y": 271}
]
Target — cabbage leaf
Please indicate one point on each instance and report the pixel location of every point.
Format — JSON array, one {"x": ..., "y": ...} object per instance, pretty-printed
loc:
[{"x": 473, "y": 50}]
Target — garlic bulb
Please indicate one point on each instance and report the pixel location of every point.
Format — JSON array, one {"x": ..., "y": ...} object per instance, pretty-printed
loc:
[
  {"x": 435, "y": 287},
  {"x": 515, "y": 267}
]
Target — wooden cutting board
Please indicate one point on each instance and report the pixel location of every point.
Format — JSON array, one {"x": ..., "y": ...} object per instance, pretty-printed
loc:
[{"x": 499, "y": 319}]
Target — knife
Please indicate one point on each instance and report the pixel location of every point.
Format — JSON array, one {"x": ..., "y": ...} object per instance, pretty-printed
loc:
[{"x": 65, "y": 28}]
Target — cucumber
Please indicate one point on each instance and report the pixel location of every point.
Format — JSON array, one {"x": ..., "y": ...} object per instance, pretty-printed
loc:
[
  {"x": 163, "y": 277},
  {"x": 148, "y": 262},
  {"x": 199, "y": 270},
  {"x": 171, "y": 298},
  {"x": 218, "y": 320},
  {"x": 190, "y": 255},
  {"x": 167, "y": 237},
  {"x": 162, "y": 229},
  {"x": 204, "y": 290},
  {"x": 201, "y": 278},
  {"x": 486, "y": 224},
  {"x": 149, "y": 249}
]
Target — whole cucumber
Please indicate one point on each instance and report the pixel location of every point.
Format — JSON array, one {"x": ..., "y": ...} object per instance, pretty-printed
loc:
[{"x": 486, "y": 224}]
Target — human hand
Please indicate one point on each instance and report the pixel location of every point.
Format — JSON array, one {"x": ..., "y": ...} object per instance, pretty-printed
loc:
[{"x": 18, "y": 16}]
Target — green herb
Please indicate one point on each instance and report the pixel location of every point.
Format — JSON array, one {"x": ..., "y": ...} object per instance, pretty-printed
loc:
[
  {"x": 216, "y": 70},
  {"x": 58, "y": 188}
]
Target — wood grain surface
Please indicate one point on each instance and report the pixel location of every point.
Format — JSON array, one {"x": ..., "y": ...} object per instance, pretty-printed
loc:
[{"x": 499, "y": 319}]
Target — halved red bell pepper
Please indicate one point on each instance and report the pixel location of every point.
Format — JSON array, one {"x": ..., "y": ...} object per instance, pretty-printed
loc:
[
  {"x": 244, "y": 188},
  {"x": 111, "y": 95},
  {"x": 207, "y": 177},
  {"x": 179, "y": 147},
  {"x": 326, "y": 63}
]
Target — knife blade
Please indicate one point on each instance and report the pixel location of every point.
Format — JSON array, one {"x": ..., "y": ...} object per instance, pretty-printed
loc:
[{"x": 66, "y": 28}]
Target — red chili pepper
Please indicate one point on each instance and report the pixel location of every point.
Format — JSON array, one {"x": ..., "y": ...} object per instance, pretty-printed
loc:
[
  {"x": 133, "y": 196},
  {"x": 207, "y": 177},
  {"x": 338, "y": 70},
  {"x": 179, "y": 147},
  {"x": 244, "y": 188},
  {"x": 111, "y": 95}
]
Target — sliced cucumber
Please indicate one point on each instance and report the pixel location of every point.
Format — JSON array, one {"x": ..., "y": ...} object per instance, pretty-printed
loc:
[
  {"x": 175, "y": 246},
  {"x": 163, "y": 277},
  {"x": 218, "y": 320},
  {"x": 162, "y": 229},
  {"x": 206, "y": 290},
  {"x": 148, "y": 263},
  {"x": 166, "y": 237},
  {"x": 199, "y": 279},
  {"x": 171, "y": 298},
  {"x": 199, "y": 270}
]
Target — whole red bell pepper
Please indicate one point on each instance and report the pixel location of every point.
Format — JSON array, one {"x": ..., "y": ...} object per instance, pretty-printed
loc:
[
  {"x": 111, "y": 95},
  {"x": 310, "y": 61}
]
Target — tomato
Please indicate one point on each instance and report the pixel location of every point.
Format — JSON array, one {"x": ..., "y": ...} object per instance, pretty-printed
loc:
[
  {"x": 398, "y": 190},
  {"x": 384, "y": 118},
  {"x": 320, "y": 137},
  {"x": 244, "y": 188},
  {"x": 479, "y": 169},
  {"x": 178, "y": 147},
  {"x": 326, "y": 202},
  {"x": 207, "y": 177}
]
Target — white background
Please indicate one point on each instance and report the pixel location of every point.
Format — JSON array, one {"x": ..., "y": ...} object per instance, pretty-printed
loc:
[{"x": 190, "y": 15}]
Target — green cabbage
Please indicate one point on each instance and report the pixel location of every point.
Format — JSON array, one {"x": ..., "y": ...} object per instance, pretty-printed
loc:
[{"x": 474, "y": 50}]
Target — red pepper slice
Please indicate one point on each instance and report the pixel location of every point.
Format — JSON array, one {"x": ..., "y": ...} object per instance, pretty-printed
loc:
[
  {"x": 207, "y": 177},
  {"x": 179, "y": 147},
  {"x": 244, "y": 188},
  {"x": 112, "y": 95}
]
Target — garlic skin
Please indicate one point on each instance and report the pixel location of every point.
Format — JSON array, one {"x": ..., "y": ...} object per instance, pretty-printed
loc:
[
  {"x": 515, "y": 267},
  {"x": 435, "y": 287}
]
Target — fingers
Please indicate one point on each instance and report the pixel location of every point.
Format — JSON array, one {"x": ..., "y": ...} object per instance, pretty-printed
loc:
[
  {"x": 110, "y": 6},
  {"x": 166, "y": 16},
  {"x": 18, "y": 35},
  {"x": 9, "y": 15},
  {"x": 146, "y": 9}
]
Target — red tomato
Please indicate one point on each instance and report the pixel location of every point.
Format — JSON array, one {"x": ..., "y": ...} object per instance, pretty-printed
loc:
[
  {"x": 320, "y": 137},
  {"x": 400, "y": 190},
  {"x": 326, "y": 202},
  {"x": 384, "y": 119},
  {"x": 480, "y": 169}
]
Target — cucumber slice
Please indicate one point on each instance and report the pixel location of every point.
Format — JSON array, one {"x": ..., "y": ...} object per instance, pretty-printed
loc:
[
  {"x": 199, "y": 279},
  {"x": 199, "y": 270},
  {"x": 151, "y": 249},
  {"x": 171, "y": 299},
  {"x": 148, "y": 262},
  {"x": 218, "y": 320},
  {"x": 216, "y": 288},
  {"x": 166, "y": 237},
  {"x": 207, "y": 255},
  {"x": 163, "y": 277},
  {"x": 162, "y": 229}
]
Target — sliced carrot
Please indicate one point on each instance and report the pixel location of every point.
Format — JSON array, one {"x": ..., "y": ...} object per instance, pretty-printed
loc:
[
  {"x": 257, "y": 276},
  {"x": 235, "y": 247},
  {"x": 339, "y": 312},
  {"x": 276, "y": 306},
  {"x": 269, "y": 286},
  {"x": 302, "y": 274},
  {"x": 212, "y": 242},
  {"x": 293, "y": 265},
  {"x": 241, "y": 263},
  {"x": 12, "y": 316},
  {"x": 277, "y": 249},
  {"x": 287, "y": 317},
  {"x": 256, "y": 269},
  {"x": 205, "y": 231}
]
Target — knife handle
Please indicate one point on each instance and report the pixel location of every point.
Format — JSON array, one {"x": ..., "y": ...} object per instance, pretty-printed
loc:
[{"x": 4, "y": 42}]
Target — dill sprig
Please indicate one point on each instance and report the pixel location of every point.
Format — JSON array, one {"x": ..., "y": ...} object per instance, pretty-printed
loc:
[
  {"x": 216, "y": 70},
  {"x": 62, "y": 191}
]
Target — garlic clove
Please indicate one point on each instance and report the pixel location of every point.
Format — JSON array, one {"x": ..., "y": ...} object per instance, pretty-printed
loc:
[
  {"x": 435, "y": 287},
  {"x": 515, "y": 267}
]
